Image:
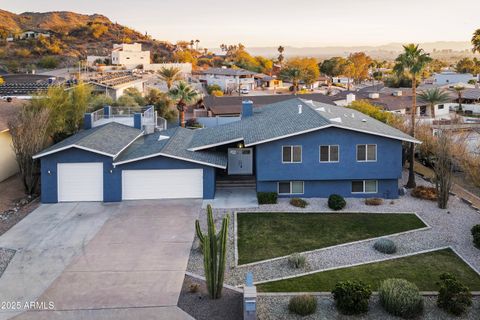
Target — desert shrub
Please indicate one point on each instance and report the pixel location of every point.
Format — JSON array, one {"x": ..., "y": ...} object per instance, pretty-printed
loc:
[
  {"x": 453, "y": 297},
  {"x": 213, "y": 87},
  {"x": 336, "y": 202},
  {"x": 193, "y": 123},
  {"x": 48, "y": 62},
  {"x": 476, "y": 235},
  {"x": 385, "y": 246},
  {"x": 297, "y": 202},
  {"x": 426, "y": 193},
  {"x": 217, "y": 93},
  {"x": 303, "y": 305},
  {"x": 373, "y": 201},
  {"x": 267, "y": 197},
  {"x": 297, "y": 261},
  {"x": 400, "y": 298},
  {"x": 351, "y": 297}
]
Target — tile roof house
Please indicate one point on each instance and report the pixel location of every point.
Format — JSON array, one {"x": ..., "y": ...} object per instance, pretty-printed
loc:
[{"x": 294, "y": 147}]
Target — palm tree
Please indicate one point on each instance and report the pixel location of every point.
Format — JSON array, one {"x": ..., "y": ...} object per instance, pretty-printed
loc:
[
  {"x": 280, "y": 56},
  {"x": 459, "y": 90},
  {"x": 433, "y": 97},
  {"x": 292, "y": 74},
  {"x": 170, "y": 75},
  {"x": 476, "y": 41},
  {"x": 411, "y": 64},
  {"x": 183, "y": 94}
]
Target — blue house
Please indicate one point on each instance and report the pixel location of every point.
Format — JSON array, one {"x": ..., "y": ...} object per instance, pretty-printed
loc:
[{"x": 296, "y": 147}]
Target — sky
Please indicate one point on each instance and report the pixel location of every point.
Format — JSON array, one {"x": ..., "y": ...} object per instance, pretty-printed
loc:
[{"x": 299, "y": 23}]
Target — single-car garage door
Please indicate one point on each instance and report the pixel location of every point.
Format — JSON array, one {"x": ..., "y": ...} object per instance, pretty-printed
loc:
[
  {"x": 80, "y": 181},
  {"x": 162, "y": 184}
]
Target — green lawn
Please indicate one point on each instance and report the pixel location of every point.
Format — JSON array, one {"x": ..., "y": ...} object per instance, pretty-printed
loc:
[
  {"x": 423, "y": 270},
  {"x": 265, "y": 235}
]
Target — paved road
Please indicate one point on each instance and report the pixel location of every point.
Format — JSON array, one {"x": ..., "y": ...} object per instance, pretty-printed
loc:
[{"x": 132, "y": 267}]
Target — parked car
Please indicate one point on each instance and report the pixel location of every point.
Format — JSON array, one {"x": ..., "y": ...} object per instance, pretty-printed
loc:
[{"x": 244, "y": 91}]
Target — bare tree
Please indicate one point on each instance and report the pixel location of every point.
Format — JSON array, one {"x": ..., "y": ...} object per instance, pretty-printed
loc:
[
  {"x": 443, "y": 168},
  {"x": 29, "y": 130}
]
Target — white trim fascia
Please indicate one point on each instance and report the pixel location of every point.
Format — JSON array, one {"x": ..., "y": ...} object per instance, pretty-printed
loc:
[
  {"x": 39, "y": 155},
  {"x": 128, "y": 145},
  {"x": 168, "y": 156},
  {"x": 5, "y": 130},
  {"x": 215, "y": 144},
  {"x": 379, "y": 134},
  {"x": 288, "y": 135}
]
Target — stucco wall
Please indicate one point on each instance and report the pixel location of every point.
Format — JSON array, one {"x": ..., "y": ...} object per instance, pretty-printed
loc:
[
  {"x": 269, "y": 166},
  {"x": 8, "y": 163},
  {"x": 112, "y": 189}
]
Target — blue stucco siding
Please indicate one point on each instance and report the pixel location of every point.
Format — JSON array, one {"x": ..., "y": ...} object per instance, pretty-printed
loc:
[
  {"x": 49, "y": 190},
  {"x": 170, "y": 163},
  {"x": 112, "y": 177},
  {"x": 269, "y": 166},
  {"x": 322, "y": 189}
]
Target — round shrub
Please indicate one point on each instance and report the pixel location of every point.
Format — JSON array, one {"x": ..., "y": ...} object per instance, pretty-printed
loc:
[
  {"x": 297, "y": 261},
  {"x": 267, "y": 197},
  {"x": 336, "y": 202},
  {"x": 400, "y": 298},
  {"x": 351, "y": 297},
  {"x": 303, "y": 305},
  {"x": 297, "y": 202},
  {"x": 476, "y": 235},
  {"x": 453, "y": 297},
  {"x": 385, "y": 246}
]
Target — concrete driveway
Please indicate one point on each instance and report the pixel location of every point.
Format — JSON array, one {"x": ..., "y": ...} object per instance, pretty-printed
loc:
[{"x": 132, "y": 268}]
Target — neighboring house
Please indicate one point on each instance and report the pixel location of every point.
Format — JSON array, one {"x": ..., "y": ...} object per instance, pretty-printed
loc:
[
  {"x": 92, "y": 60},
  {"x": 129, "y": 55},
  {"x": 296, "y": 147},
  {"x": 231, "y": 106},
  {"x": 229, "y": 79},
  {"x": 8, "y": 162},
  {"x": 115, "y": 83},
  {"x": 185, "y": 68},
  {"x": 450, "y": 77},
  {"x": 34, "y": 34},
  {"x": 342, "y": 80},
  {"x": 266, "y": 81}
]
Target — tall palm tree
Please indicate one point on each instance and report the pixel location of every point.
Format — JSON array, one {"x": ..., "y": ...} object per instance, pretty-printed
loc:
[
  {"x": 459, "y": 91},
  {"x": 476, "y": 41},
  {"x": 433, "y": 97},
  {"x": 411, "y": 64},
  {"x": 183, "y": 94},
  {"x": 292, "y": 74},
  {"x": 170, "y": 75},
  {"x": 280, "y": 55}
]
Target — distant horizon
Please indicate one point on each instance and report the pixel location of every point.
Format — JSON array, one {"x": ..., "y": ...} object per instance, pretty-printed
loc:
[{"x": 272, "y": 23}]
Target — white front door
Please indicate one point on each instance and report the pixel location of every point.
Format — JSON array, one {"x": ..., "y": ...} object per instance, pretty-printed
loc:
[
  {"x": 80, "y": 181},
  {"x": 162, "y": 184}
]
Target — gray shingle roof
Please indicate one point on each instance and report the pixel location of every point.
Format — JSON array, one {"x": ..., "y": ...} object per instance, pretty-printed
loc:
[
  {"x": 109, "y": 139},
  {"x": 283, "y": 119},
  {"x": 173, "y": 146}
]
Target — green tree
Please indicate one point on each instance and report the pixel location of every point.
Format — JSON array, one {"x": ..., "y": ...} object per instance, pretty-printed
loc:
[
  {"x": 136, "y": 95},
  {"x": 433, "y": 97},
  {"x": 163, "y": 104},
  {"x": 280, "y": 57},
  {"x": 183, "y": 94},
  {"x": 308, "y": 71},
  {"x": 292, "y": 74},
  {"x": 170, "y": 75},
  {"x": 459, "y": 90},
  {"x": 333, "y": 67},
  {"x": 99, "y": 101},
  {"x": 467, "y": 65},
  {"x": 79, "y": 98},
  {"x": 411, "y": 64},
  {"x": 476, "y": 41},
  {"x": 360, "y": 65}
]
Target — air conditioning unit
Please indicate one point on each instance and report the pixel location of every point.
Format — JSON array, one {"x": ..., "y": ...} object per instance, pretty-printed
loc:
[
  {"x": 374, "y": 95},
  {"x": 398, "y": 93}
]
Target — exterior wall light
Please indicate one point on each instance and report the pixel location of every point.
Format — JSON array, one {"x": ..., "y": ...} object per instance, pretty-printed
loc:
[{"x": 240, "y": 145}]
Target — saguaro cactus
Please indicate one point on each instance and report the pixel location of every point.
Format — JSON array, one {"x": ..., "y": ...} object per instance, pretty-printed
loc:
[{"x": 214, "y": 253}]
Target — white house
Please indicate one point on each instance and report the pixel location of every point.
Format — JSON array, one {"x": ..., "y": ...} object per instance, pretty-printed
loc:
[
  {"x": 450, "y": 77},
  {"x": 129, "y": 55},
  {"x": 229, "y": 79},
  {"x": 341, "y": 80},
  {"x": 34, "y": 34}
]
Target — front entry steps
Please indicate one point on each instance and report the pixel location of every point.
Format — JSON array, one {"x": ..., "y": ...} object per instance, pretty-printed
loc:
[{"x": 236, "y": 182}]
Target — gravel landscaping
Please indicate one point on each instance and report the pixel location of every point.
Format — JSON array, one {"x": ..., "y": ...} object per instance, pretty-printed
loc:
[
  {"x": 275, "y": 307},
  {"x": 5, "y": 256},
  {"x": 201, "y": 307},
  {"x": 449, "y": 227}
]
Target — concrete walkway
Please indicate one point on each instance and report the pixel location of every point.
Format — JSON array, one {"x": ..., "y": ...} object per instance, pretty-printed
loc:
[
  {"x": 133, "y": 268},
  {"x": 45, "y": 242},
  {"x": 233, "y": 198}
]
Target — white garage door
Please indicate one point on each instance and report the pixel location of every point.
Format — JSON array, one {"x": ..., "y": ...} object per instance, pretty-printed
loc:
[
  {"x": 162, "y": 184},
  {"x": 80, "y": 181}
]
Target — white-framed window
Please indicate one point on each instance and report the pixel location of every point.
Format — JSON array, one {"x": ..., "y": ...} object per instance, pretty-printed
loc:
[
  {"x": 441, "y": 107},
  {"x": 366, "y": 152},
  {"x": 330, "y": 153},
  {"x": 290, "y": 187},
  {"x": 365, "y": 186},
  {"x": 291, "y": 154}
]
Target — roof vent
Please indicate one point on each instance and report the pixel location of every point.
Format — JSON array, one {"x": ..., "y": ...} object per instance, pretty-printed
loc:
[
  {"x": 373, "y": 95},
  {"x": 299, "y": 109},
  {"x": 353, "y": 115},
  {"x": 162, "y": 137},
  {"x": 336, "y": 119},
  {"x": 364, "y": 120},
  {"x": 321, "y": 109}
]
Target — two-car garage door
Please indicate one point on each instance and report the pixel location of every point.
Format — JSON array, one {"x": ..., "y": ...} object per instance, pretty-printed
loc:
[{"x": 162, "y": 184}]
